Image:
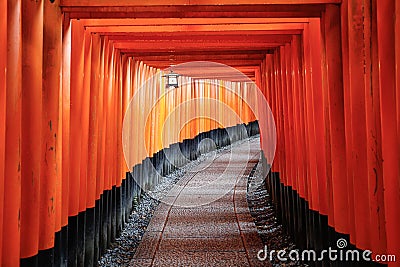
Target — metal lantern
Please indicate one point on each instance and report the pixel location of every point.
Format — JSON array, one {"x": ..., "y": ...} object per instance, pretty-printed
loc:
[{"x": 172, "y": 79}]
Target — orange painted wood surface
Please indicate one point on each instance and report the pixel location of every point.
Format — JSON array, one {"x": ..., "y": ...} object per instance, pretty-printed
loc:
[
  {"x": 12, "y": 187},
  {"x": 335, "y": 111},
  {"x": 51, "y": 174},
  {"x": 3, "y": 102},
  {"x": 31, "y": 127},
  {"x": 76, "y": 93},
  {"x": 389, "y": 110},
  {"x": 190, "y": 2},
  {"x": 66, "y": 87},
  {"x": 65, "y": 107}
]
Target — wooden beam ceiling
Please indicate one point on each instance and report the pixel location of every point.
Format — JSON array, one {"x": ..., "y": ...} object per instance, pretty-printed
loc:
[
  {"x": 170, "y": 32},
  {"x": 112, "y": 3},
  {"x": 193, "y": 9}
]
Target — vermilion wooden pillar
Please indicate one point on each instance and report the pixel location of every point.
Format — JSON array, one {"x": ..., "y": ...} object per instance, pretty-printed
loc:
[
  {"x": 288, "y": 120},
  {"x": 108, "y": 117},
  {"x": 272, "y": 102},
  {"x": 77, "y": 70},
  {"x": 397, "y": 40},
  {"x": 50, "y": 182},
  {"x": 196, "y": 89},
  {"x": 309, "y": 134},
  {"x": 298, "y": 101},
  {"x": 328, "y": 180},
  {"x": 132, "y": 91},
  {"x": 280, "y": 155},
  {"x": 65, "y": 113},
  {"x": 128, "y": 97},
  {"x": 220, "y": 99},
  {"x": 12, "y": 169},
  {"x": 92, "y": 174},
  {"x": 3, "y": 84},
  {"x": 125, "y": 101},
  {"x": 106, "y": 114},
  {"x": 93, "y": 211},
  {"x": 284, "y": 117},
  {"x": 281, "y": 112},
  {"x": 347, "y": 114},
  {"x": 309, "y": 120},
  {"x": 184, "y": 130},
  {"x": 374, "y": 139},
  {"x": 389, "y": 108},
  {"x": 291, "y": 139},
  {"x": 198, "y": 95},
  {"x": 114, "y": 120},
  {"x": 293, "y": 102},
  {"x": 266, "y": 91},
  {"x": 271, "y": 124},
  {"x": 145, "y": 107},
  {"x": 245, "y": 99},
  {"x": 31, "y": 143},
  {"x": 133, "y": 109},
  {"x": 292, "y": 88},
  {"x": 84, "y": 128},
  {"x": 334, "y": 95},
  {"x": 119, "y": 118},
  {"x": 178, "y": 115},
  {"x": 100, "y": 129},
  {"x": 181, "y": 130},
  {"x": 75, "y": 145},
  {"x": 205, "y": 88},
  {"x": 160, "y": 110},
  {"x": 190, "y": 110},
  {"x": 320, "y": 190},
  {"x": 358, "y": 121},
  {"x": 173, "y": 97}
]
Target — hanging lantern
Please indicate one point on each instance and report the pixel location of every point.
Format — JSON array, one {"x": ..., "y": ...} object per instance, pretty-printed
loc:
[{"x": 172, "y": 79}]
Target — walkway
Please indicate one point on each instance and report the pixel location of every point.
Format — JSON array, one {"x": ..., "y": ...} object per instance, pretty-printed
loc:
[{"x": 208, "y": 223}]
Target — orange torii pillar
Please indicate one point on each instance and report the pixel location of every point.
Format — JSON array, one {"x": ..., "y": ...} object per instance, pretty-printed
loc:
[
  {"x": 270, "y": 96},
  {"x": 390, "y": 118},
  {"x": 75, "y": 146},
  {"x": 286, "y": 123},
  {"x": 12, "y": 167},
  {"x": 31, "y": 141},
  {"x": 51, "y": 169},
  {"x": 301, "y": 132},
  {"x": 84, "y": 128},
  {"x": 310, "y": 130},
  {"x": 65, "y": 107},
  {"x": 3, "y": 101},
  {"x": 357, "y": 117},
  {"x": 347, "y": 122},
  {"x": 101, "y": 161},
  {"x": 334, "y": 99},
  {"x": 363, "y": 141},
  {"x": 97, "y": 86},
  {"x": 93, "y": 211}
]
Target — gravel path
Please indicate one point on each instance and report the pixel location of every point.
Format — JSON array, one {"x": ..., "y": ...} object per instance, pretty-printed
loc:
[
  {"x": 270, "y": 231},
  {"x": 123, "y": 249}
]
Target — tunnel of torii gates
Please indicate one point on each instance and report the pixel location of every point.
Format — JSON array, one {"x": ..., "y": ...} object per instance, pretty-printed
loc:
[{"x": 329, "y": 70}]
